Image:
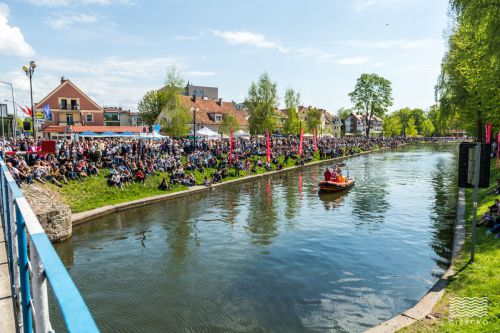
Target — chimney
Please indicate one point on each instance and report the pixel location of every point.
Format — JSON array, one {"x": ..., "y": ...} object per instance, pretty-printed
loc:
[
  {"x": 220, "y": 101},
  {"x": 62, "y": 79},
  {"x": 194, "y": 98}
]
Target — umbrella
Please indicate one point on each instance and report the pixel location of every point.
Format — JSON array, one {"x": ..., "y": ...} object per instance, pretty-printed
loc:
[
  {"x": 207, "y": 132},
  {"x": 88, "y": 133},
  {"x": 127, "y": 133}
]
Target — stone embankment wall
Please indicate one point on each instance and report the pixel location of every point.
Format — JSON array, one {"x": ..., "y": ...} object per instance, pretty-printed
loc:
[{"x": 52, "y": 213}]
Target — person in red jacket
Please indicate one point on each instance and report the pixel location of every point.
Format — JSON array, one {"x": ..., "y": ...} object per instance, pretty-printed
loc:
[{"x": 327, "y": 174}]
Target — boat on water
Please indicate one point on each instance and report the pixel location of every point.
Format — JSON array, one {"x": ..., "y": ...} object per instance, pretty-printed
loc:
[
  {"x": 335, "y": 181},
  {"x": 336, "y": 185}
]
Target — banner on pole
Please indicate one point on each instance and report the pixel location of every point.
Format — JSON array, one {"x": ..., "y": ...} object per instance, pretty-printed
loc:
[
  {"x": 301, "y": 139},
  {"x": 315, "y": 140},
  {"x": 231, "y": 144},
  {"x": 268, "y": 147}
]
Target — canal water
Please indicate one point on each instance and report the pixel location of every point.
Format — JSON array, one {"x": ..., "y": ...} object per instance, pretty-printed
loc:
[{"x": 271, "y": 255}]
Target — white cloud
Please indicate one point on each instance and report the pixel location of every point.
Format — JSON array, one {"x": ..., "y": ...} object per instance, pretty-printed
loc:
[
  {"x": 353, "y": 61},
  {"x": 363, "y": 4},
  {"x": 66, "y": 20},
  {"x": 199, "y": 73},
  {"x": 249, "y": 38},
  {"x": 261, "y": 41},
  {"x": 11, "y": 38}
]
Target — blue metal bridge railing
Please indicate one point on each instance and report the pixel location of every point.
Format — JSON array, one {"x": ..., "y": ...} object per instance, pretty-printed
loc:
[{"x": 32, "y": 262}]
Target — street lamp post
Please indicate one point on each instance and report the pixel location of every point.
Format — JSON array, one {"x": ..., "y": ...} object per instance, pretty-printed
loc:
[
  {"x": 29, "y": 70},
  {"x": 14, "y": 123}
]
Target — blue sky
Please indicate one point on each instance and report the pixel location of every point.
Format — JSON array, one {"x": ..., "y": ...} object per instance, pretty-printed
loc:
[{"x": 116, "y": 50}]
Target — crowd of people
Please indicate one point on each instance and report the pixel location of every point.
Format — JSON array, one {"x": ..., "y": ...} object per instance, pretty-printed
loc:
[
  {"x": 491, "y": 219},
  {"x": 125, "y": 161}
]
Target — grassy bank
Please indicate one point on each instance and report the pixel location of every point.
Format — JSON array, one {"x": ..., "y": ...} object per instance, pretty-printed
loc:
[
  {"x": 478, "y": 279},
  {"x": 94, "y": 192}
]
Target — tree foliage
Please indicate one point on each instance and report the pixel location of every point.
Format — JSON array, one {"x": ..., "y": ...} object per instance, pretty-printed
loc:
[
  {"x": 262, "y": 102},
  {"x": 175, "y": 117},
  {"x": 313, "y": 119},
  {"x": 468, "y": 88},
  {"x": 372, "y": 95},
  {"x": 151, "y": 106},
  {"x": 392, "y": 126},
  {"x": 427, "y": 128},
  {"x": 292, "y": 102},
  {"x": 228, "y": 123}
]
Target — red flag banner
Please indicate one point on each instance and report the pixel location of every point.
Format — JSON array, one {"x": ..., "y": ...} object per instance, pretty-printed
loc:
[
  {"x": 25, "y": 111},
  {"x": 315, "y": 140},
  {"x": 231, "y": 147},
  {"x": 30, "y": 112},
  {"x": 268, "y": 147},
  {"x": 301, "y": 139},
  {"x": 488, "y": 132}
]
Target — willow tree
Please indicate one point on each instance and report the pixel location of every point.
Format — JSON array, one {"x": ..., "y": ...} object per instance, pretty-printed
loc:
[
  {"x": 262, "y": 101},
  {"x": 292, "y": 101},
  {"x": 372, "y": 95},
  {"x": 313, "y": 119},
  {"x": 175, "y": 116}
]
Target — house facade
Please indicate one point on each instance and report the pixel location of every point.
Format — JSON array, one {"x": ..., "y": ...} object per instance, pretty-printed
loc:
[
  {"x": 201, "y": 92},
  {"x": 356, "y": 125},
  {"x": 70, "y": 106},
  {"x": 210, "y": 113},
  {"x": 116, "y": 116}
]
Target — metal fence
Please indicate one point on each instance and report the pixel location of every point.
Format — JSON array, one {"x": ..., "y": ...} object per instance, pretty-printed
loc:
[{"x": 32, "y": 262}]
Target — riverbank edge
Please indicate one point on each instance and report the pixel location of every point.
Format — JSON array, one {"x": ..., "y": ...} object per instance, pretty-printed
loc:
[
  {"x": 424, "y": 307},
  {"x": 89, "y": 215}
]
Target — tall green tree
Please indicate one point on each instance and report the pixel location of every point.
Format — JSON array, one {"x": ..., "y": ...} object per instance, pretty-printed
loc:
[
  {"x": 228, "y": 123},
  {"x": 151, "y": 106},
  {"x": 292, "y": 101},
  {"x": 313, "y": 119},
  {"x": 404, "y": 116},
  {"x": 392, "y": 125},
  {"x": 468, "y": 87},
  {"x": 175, "y": 117},
  {"x": 262, "y": 101},
  {"x": 427, "y": 128},
  {"x": 372, "y": 95},
  {"x": 411, "y": 129}
]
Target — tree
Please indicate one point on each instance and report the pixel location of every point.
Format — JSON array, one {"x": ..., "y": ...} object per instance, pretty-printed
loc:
[
  {"x": 404, "y": 116},
  {"x": 313, "y": 119},
  {"x": 262, "y": 102},
  {"x": 175, "y": 117},
  {"x": 427, "y": 128},
  {"x": 411, "y": 129},
  {"x": 292, "y": 101},
  {"x": 418, "y": 116},
  {"x": 372, "y": 95},
  {"x": 228, "y": 123},
  {"x": 392, "y": 126},
  {"x": 151, "y": 106}
]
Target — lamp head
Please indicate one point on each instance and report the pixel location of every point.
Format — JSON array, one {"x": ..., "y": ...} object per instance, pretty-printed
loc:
[
  {"x": 25, "y": 69},
  {"x": 32, "y": 64}
]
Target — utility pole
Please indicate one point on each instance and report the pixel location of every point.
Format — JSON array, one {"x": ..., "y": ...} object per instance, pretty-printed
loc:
[{"x": 474, "y": 211}]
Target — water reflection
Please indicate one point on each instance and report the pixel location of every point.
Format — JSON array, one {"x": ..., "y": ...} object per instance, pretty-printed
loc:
[{"x": 272, "y": 255}]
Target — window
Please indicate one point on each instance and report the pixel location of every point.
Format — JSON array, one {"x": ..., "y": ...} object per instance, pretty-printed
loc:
[
  {"x": 218, "y": 118},
  {"x": 112, "y": 119},
  {"x": 90, "y": 118},
  {"x": 64, "y": 104},
  {"x": 74, "y": 104},
  {"x": 69, "y": 119}
]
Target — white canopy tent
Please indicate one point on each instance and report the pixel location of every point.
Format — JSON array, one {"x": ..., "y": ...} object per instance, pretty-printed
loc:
[
  {"x": 207, "y": 132},
  {"x": 241, "y": 134}
]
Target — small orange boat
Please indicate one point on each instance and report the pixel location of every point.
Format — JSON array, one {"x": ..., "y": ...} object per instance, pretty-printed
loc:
[{"x": 337, "y": 185}]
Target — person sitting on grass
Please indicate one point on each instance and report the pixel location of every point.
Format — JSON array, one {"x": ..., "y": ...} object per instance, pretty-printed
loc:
[
  {"x": 207, "y": 182},
  {"x": 164, "y": 185},
  {"x": 140, "y": 176},
  {"x": 191, "y": 179},
  {"x": 217, "y": 177},
  {"x": 115, "y": 181}
]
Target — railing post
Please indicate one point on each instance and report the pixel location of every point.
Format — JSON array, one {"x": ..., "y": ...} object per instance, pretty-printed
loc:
[
  {"x": 15, "y": 252},
  {"x": 24, "y": 271},
  {"x": 40, "y": 296}
]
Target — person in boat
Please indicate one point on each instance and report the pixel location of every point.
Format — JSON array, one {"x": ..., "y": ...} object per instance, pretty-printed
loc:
[{"x": 327, "y": 174}]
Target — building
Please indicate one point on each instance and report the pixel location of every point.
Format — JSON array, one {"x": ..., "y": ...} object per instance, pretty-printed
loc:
[
  {"x": 209, "y": 113},
  {"x": 69, "y": 106},
  {"x": 201, "y": 92},
  {"x": 135, "y": 119},
  {"x": 74, "y": 112},
  {"x": 354, "y": 125},
  {"x": 116, "y": 116}
]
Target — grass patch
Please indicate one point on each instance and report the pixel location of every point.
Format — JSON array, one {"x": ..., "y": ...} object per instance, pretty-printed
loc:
[
  {"x": 94, "y": 192},
  {"x": 478, "y": 279}
]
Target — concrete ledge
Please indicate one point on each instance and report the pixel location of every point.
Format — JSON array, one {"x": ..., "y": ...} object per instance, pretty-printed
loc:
[
  {"x": 79, "y": 218},
  {"x": 427, "y": 303}
]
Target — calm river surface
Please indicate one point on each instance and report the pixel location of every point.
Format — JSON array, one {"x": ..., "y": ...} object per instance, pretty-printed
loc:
[{"x": 271, "y": 255}]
